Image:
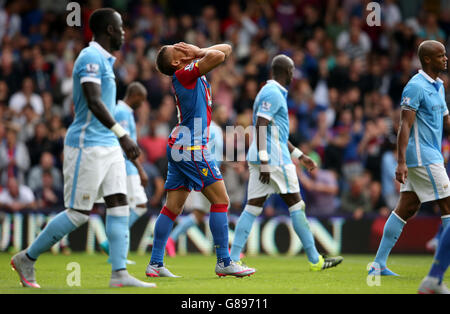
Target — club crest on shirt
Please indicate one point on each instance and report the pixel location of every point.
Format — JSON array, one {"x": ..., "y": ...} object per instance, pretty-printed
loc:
[{"x": 205, "y": 172}]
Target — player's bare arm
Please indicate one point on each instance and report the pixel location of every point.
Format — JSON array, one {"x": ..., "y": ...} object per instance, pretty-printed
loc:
[
  {"x": 92, "y": 92},
  {"x": 407, "y": 118},
  {"x": 261, "y": 145},
  {"x": 211, "y": 57},
  {"x": 306, "y": 161},
  {"x": 142, "y": 174},
  {"x": 447, "y": 124}
]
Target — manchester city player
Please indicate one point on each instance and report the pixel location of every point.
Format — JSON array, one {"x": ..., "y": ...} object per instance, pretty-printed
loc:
[
  {"x": 94, "y": 165},
  {"x": 137, "y": 179},
  {"x": 271, "y": 168},
  {"x": 420, "y": 169},
  {"x": 191, "y": 166}
]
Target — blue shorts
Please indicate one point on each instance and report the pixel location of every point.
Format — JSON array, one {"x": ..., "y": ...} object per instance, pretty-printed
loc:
[{"x": 190, "y": 169}]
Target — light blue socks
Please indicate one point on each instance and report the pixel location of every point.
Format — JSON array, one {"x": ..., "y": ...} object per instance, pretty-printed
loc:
[
  {"x": 242, "y": 230},
  {"x": 118, "y": 235},
  {"x": 55, "y": 230},
  {"x": 392, "y": 231},
  {"x": 301, "y": 227}
]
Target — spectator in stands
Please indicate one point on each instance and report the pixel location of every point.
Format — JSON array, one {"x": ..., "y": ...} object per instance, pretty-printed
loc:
[
  {"x": 35, "y": 177},
  {"x": 356, "y": 201},
  {"x": 27, "y": 121},
  {"x": 153, "y": 145},
  {"x": 14, "y": 158},
  {"x": 39, "y": 143},
  {"x": 377, "y": 202},
  {"x": 431, "y": 29},
  {"x": 48, "y": 194},
  {"x": 355, "y": 42},
  {"x": 16, "y": 197},
  {"x": 10, "y": 71},
  {"x": 321, "y": 190},
  {"x": 26, "y": 96}
]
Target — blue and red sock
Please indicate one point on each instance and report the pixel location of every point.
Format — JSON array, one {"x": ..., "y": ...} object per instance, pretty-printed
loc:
[
  {"x": 163, "y": 228},
  {"x": 218, "y": 223}
]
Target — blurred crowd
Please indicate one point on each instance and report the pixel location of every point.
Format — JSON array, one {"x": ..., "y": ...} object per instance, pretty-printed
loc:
[{"x": 343, "y": 102}]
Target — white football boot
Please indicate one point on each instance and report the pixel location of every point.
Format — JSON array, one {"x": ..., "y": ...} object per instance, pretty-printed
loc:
[
  {"x": 25, "y": 268},
  {"x": 237, "y": 269},
  {"x": 155, "y": 271},
  {"x": 431, "y": 285},
  {"x": 122, "y": 278}
]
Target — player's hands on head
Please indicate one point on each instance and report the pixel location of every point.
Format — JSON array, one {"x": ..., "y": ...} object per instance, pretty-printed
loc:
[
  {"x": 308, "y": 163},
  {"x": 401, "y": 173},
  {"x": 190, "y": 51},
  {"x": 264, "y": 175},
  {"x": 131, "y": 149}
]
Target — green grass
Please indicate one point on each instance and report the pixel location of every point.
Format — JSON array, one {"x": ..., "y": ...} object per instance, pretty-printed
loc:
[{"x": 275, "y": 275}]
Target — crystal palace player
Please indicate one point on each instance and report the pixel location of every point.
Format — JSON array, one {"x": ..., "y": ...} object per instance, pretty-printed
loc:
[{"x": 190, "y": 164}]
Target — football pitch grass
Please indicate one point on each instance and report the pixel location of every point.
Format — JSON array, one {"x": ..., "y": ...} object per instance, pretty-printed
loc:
[{"x": 275, "y": 275}]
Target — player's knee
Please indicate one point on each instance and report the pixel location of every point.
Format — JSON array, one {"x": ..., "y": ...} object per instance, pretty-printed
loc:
[
  {"x": 406, "y": 213},
  {"x": 116, "y": 200},
  {"x": 76, "y": 217},
  {"x": 254, "y": 210},
  {"x": 298, "y": 206}
]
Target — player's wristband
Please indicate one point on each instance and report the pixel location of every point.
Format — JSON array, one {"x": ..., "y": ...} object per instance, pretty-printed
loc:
[
  {"x": 118, "y": 130},
  {"x": 296, "y": 153},
  {"x": 263, "y": 156}
]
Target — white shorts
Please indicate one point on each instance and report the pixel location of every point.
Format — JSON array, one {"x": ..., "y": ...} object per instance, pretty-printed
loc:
[
  {"x": 196, "y": 200},
  {"x": 136, "y": 193},
  {"x": 430, "y": 182},
  {"x": 91, "y": 173},
  {"x": 283, "y": 180}
]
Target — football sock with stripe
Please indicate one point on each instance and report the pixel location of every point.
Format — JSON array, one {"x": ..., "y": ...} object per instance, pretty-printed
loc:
[
  {"x": 218, "y": 223},
  {"x": 135, "y": 214},
  {"x": 61, "y": 225},
  {"x": 301, "y": 227},
  {"x": 242, "y": 230},
  {"x": 163, "y": 228},
  {"x": 118, "y": 235},
  {"x": 392, "y": 231}
]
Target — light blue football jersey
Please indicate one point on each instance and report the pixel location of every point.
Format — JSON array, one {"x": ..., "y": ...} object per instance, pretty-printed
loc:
[
  {"x": 215, "y": 144},
  {"x": 125, "y": 117},
  {"x": 427, "y": 98},
  {"x": 271, "y": 104},
  {"x": 94, "y": 64}
]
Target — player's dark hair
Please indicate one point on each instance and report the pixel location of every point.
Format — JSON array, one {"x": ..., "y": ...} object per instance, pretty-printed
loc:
[
  {"x": 100, "y": 19},
  {"x": 163, "y": 62},
  {"x": 135, "y": 88}
]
